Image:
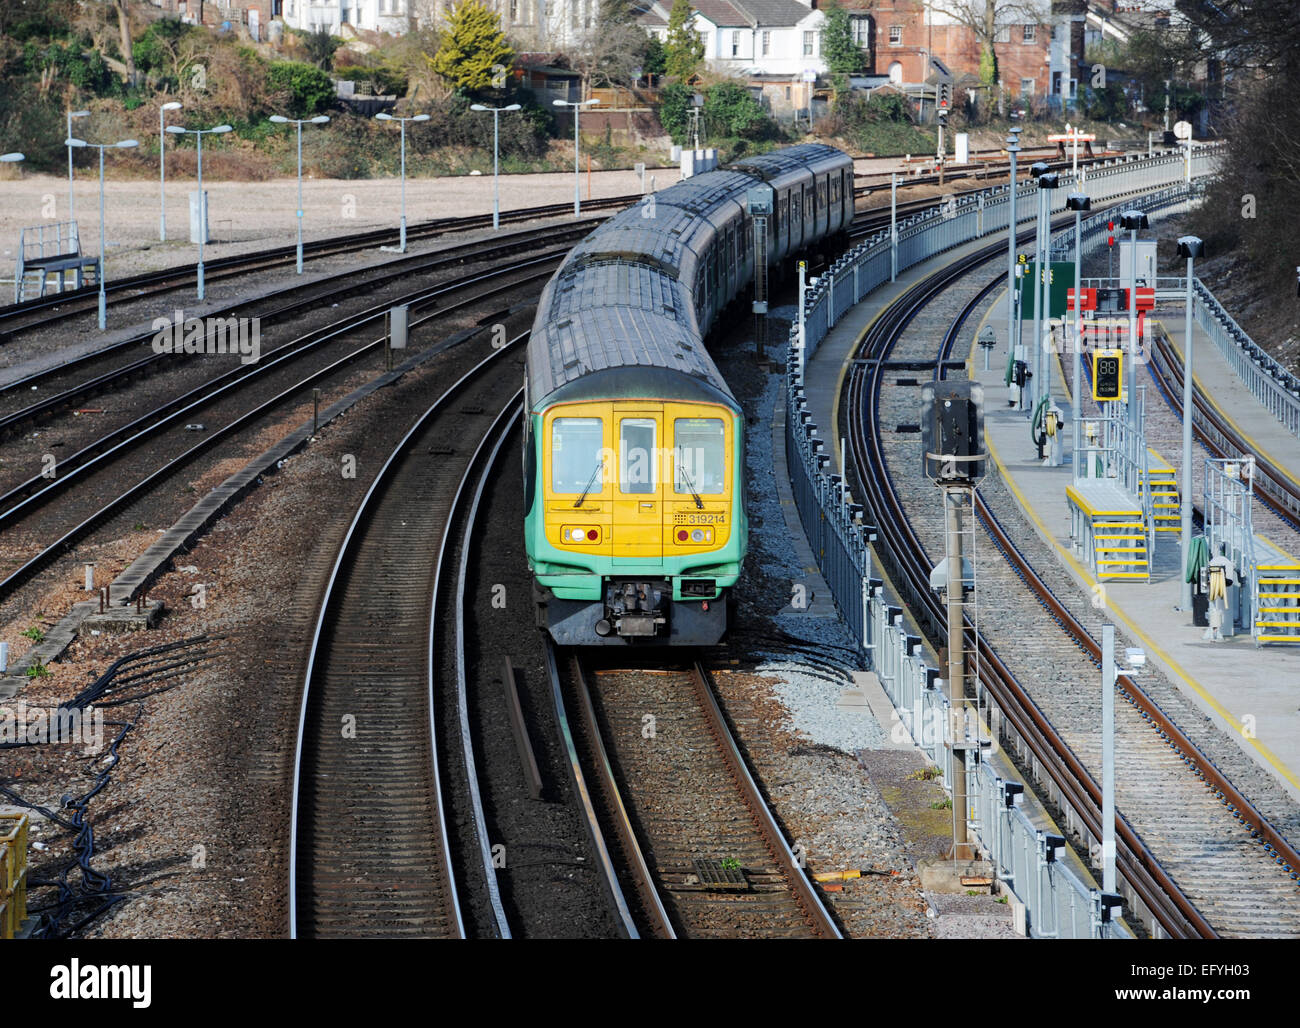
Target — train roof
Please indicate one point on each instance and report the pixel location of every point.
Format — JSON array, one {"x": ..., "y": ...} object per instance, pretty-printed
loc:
[{"x": 619, "y": 329}]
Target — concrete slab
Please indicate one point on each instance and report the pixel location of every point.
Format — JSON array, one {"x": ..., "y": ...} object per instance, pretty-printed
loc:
[{"x": 1250, "y": 692}]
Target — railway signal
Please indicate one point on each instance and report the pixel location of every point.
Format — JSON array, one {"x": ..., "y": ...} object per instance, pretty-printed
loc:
[{"x": 1107, "y": 375}]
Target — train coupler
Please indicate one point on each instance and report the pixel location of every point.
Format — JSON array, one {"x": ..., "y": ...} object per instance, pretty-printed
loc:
[{"x": 635, "y": 609}]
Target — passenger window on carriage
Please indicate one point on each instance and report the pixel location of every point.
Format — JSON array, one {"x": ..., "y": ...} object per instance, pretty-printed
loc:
[
  {"x": 636, "y": 456},
  {"x": 699, "y": 456},
  {"x": 576, "y": 455}
]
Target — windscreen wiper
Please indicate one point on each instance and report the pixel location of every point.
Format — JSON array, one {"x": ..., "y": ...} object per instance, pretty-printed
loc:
[
  {"x": 686, "y": 475},
  {"x": 590, "y": 482}
]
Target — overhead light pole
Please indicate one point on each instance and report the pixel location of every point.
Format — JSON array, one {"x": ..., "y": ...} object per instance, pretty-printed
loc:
[
  {"x": 175, "y": 105},
  {"x": 1038, "y": 169},
  {"x": 72, "y": 199},
  {"x": 320, "y": 119},
  {"x": 1132, "y": 221},
  {"x": 198, "y": 135},
  {"x": 124, "y": 144},
  {"x": 401, "y": 235},
  {"x": 496, "y": 145},
  {"x": 1013, "y": 148},
  {"x": 1189, "y": 248},
  {"x": 577, "y": 106},
  {"x": 1077, "y": 202},
  {"x": 12, "y": 158}
]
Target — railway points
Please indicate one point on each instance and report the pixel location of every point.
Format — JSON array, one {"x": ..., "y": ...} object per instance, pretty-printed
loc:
[{"x": 1242, "y": 687}]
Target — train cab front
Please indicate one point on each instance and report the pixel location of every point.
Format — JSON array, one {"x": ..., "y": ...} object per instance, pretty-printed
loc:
[{"x": 642, "y": 537}]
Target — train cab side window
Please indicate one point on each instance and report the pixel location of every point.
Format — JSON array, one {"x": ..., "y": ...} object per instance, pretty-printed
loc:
[
  {"x": 577, "y": 463},
  {"x": 636, "y": 456},
  {"x": 699, "y": 456}
]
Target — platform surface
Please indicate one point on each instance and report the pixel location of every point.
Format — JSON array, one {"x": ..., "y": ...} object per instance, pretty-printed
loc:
[{"x": 1237, "y": 684}]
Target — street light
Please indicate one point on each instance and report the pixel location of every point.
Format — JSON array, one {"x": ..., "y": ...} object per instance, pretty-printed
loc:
[
  {"x": 12, "y": 158},
  {"x": 1013, "y": 148},
  {"x": 1041, "y": 382},
  {"x": 124, "y": 144},
  {"x": 1132, "y": 221},
  {"x": 72, "y": 200},
  {"x": 401, "y": 247},
  {"x": 175, "y": 105},
  {"x": 198, "y": 135},
  {"x": 320, "y": 119},
  {"x": 1189, "y": 248},
  {"x": 1077, "y": 202},
  {"x": 496, "y": 135},
  {"x": 577, "y": 106}
]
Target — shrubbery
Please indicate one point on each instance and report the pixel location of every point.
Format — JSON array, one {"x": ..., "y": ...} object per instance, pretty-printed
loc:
[
  {"x": 310, "y": 89},
  {"x": 881, "y": 124}
]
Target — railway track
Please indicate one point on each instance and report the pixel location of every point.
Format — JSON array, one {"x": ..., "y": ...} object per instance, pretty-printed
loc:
[
  {"x": 1034, "y": 681},
  {"x": 20, "y": 316},
  {"x": 384, "y": 841},
  {"x": 693, "y": 837},
  {"x": 149, "y": 451}
]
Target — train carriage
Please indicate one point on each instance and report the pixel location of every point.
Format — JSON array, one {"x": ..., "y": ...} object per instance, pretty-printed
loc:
[{"x": 636, "y": 528}]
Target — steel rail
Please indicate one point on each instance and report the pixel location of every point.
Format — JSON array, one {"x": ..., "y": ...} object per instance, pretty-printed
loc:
[{"x": 346, "y": 555}]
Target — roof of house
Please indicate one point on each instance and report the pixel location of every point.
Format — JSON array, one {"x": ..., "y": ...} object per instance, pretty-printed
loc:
[
  {"x": 730, "y": 13},
  {"x": 774, "y": 12},
  {"x": 721, "y": 12}
]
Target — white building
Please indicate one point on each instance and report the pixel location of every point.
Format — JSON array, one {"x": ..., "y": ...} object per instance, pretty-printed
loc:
[
  {"x": 370, "y": 15},
  {"x": 751, "y": 37},
  {"x": 539, "y": 25}
]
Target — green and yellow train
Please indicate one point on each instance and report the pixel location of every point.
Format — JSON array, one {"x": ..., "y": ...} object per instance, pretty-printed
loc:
[{"x": 636, "y": 529}]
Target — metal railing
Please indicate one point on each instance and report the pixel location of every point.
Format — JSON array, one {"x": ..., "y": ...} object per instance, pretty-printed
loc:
[{"x": 1057, "y": 902}]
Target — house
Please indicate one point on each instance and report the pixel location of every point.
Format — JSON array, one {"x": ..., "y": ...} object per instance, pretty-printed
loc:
[
  {"x": 1039, "y": 44},
  {"x": 751, "y": 37}
]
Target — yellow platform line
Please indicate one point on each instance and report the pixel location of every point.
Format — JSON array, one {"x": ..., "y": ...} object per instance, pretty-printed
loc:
[{"x": 1150, "y": 644}]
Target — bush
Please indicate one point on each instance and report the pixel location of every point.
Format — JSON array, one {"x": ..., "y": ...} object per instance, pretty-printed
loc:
[
  {"x": 880, "y": 124},
  {"x": 84, "y": 69},
  {"x": 310, "y": 89},
  {"x": 731, "y": 110}
]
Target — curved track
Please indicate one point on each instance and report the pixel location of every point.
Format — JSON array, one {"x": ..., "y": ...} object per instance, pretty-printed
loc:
[{"x": 1035, "y": 697}]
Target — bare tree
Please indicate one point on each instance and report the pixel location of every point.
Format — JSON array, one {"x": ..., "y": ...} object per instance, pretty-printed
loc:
[
  {"x": 610, "y": 54},
  {"x": 124, "y": 29},
  {"x": 984, "y": 19}
]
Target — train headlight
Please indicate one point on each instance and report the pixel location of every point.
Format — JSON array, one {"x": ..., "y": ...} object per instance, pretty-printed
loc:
[
  {"x": 688, "y": 536},
  {"x": 585, "y": 534},
  {"x": 697, "y": 535}
]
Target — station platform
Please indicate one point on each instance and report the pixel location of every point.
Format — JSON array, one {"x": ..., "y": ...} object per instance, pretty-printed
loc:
[{"x": 1252, "y": 692}]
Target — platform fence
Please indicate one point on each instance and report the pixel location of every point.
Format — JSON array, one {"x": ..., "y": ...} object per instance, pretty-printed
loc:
[{"x": 1058, "y": 903}]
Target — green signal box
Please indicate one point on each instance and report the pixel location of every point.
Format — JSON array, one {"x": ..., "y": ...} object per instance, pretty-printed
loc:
[
  {"x": 1061, "y": 281},
  {"x": 1107, "y": 374}
]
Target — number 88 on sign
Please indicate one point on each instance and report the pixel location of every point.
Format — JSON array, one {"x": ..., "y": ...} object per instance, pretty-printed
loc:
[{"x": 1107, "y": 374}]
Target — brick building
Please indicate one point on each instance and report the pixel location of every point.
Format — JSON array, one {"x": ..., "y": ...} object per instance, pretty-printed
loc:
[{"x": 1038, "y": 56}]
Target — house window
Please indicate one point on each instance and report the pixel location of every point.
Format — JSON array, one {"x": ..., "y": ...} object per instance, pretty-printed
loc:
[
  {"x": 343, "y": 15},
  {"x": 787, "y": 92},
  {"x": 1003, "y": 35},
  {"x": 861, "y": 31},
  {"x": 1056, "y": 83},
  {"x": 1026, "y": 87},
  {"x": 1031, "y": 33},
  {"x": 767, "y": 43},
  {"x": 895, "y": 35},
  {"x": 808, "y": 43},
  {"x": 895, "y": 72},
  {"x": 514, "y": 11},
  {"x": 735, "y": 44},
  {"x": 1074, "y": 89}
]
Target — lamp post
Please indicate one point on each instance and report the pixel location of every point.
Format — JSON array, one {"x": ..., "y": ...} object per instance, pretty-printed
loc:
[
  {"x": 320, "y": 119},
  {"x": 1131, "y": 221},
  {"x": 577, "y": 106},
  {"x": 1038, "y": 170},
  {"x": 198, "y": 135},
  {"x": 72, "y": 200},
  {"x": 11, "y": 158},
  {"x": 124, "y": 144},
  {"x": 1077, "y": 202},
  {"x": 1013, "y": 148},
  {"x": 1189, "y": 248},
  {"x": 401, "y": 237},
  {"x": 175, "y": 105},
  {"x": 496, "y": 138}
]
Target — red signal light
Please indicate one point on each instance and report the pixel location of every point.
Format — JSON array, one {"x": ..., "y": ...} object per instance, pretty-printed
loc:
[{"x": 1110, "y": 240}]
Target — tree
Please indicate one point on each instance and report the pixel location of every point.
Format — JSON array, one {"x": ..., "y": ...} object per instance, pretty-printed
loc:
[
  {"x": 321, "y": 46},
  {"x": 611, "y": 54},
  {"x": 310, "y": 89},
  {"x": 124, "y": 28},
  {"x": 842, "y": 53},
  {"x": 684, "y": 49},
  {"x": 474, "y": 53},
  {"x": 656, "y": 59},
  {"x": 984, "y": 18}
]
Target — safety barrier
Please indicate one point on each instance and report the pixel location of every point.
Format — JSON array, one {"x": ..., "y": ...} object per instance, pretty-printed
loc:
[
  {"x": 13, "y": 873},
  {"x": 1057, "y": 902}
]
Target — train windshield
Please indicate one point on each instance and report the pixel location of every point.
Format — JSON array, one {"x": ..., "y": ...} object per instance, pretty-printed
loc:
[
  {"x": 700, "y": 456},
  {"x": 576, "y": 453},
  {"x": 636, "y": 456}
]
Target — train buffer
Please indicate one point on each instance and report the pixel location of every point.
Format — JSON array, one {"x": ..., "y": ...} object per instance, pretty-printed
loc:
[{"x": 46, "y": 253}]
